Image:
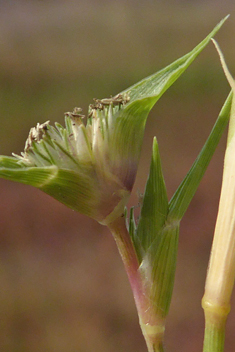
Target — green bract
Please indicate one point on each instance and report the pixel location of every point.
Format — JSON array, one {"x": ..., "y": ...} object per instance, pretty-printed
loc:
[
  {"x": 155, "y": 237},
  {"x": 91, "y": 168}
]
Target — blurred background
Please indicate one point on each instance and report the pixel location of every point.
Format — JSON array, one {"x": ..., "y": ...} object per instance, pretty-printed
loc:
[{"x": 62, "y": 284}]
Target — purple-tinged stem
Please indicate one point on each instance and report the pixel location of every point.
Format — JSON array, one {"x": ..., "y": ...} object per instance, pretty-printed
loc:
[{"x": 152, "y": 325}]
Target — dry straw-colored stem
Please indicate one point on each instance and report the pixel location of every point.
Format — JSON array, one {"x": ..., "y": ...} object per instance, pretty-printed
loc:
[{"x": 221, "y": 271}]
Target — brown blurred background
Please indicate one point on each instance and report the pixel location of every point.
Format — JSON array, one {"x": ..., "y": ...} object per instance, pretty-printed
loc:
[{"x": 62, "y": 284}]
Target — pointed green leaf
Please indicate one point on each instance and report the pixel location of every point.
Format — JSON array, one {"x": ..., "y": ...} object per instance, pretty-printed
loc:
[
  {"x": 70, "y": 188},
  {"x": 155, "y": 206},
  {"x": 156, "y": 240},
  {"x": 184, "y": 194},
  {"x": 143, "y": 96},
  {"x": 156, "y": 84},
  {"x": 34, "y": 176}
]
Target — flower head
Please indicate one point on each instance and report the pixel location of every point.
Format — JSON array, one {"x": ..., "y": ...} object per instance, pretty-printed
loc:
[
  {"x": 84, "y": 160},
  {"x": 92, "y": 167}
]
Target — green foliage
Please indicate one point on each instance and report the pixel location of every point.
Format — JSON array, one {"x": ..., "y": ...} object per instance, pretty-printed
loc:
[
  {"x": 156, "y": 236},
  {"x": 184, "y": 194},
  {"x": 155, "y": 206},
  {"x": 143, "y": 96}
]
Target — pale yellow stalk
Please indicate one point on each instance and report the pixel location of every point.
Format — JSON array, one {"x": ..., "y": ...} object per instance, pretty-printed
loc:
[{"x": 221, "y": 271}]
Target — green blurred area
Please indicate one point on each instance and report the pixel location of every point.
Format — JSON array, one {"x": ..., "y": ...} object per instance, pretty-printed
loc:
[{"x": 63, "y": 287}]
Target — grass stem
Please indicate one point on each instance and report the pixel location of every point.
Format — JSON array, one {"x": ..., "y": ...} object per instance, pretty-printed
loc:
[
  {"x": 214, "y": 332},
  {"x": 152, "y": 325}
]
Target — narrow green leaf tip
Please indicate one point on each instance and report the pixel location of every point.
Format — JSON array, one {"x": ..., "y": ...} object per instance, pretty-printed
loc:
[
  {"x": 184, "y": 194},
  {"x": 155, "y": 204}
]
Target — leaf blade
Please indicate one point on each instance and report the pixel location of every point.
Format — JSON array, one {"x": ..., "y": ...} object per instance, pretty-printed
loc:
[
  {"x": 155, "y": 205},
  {"x": 185, "y": 192},
  {"x": 155, "y": 85},
  {"x": 69, "y": 187},
  {"x": 143, "y": 97}
]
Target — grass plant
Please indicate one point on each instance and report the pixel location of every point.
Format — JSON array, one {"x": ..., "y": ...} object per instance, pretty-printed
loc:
[{"x": 91, "y": 167}]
